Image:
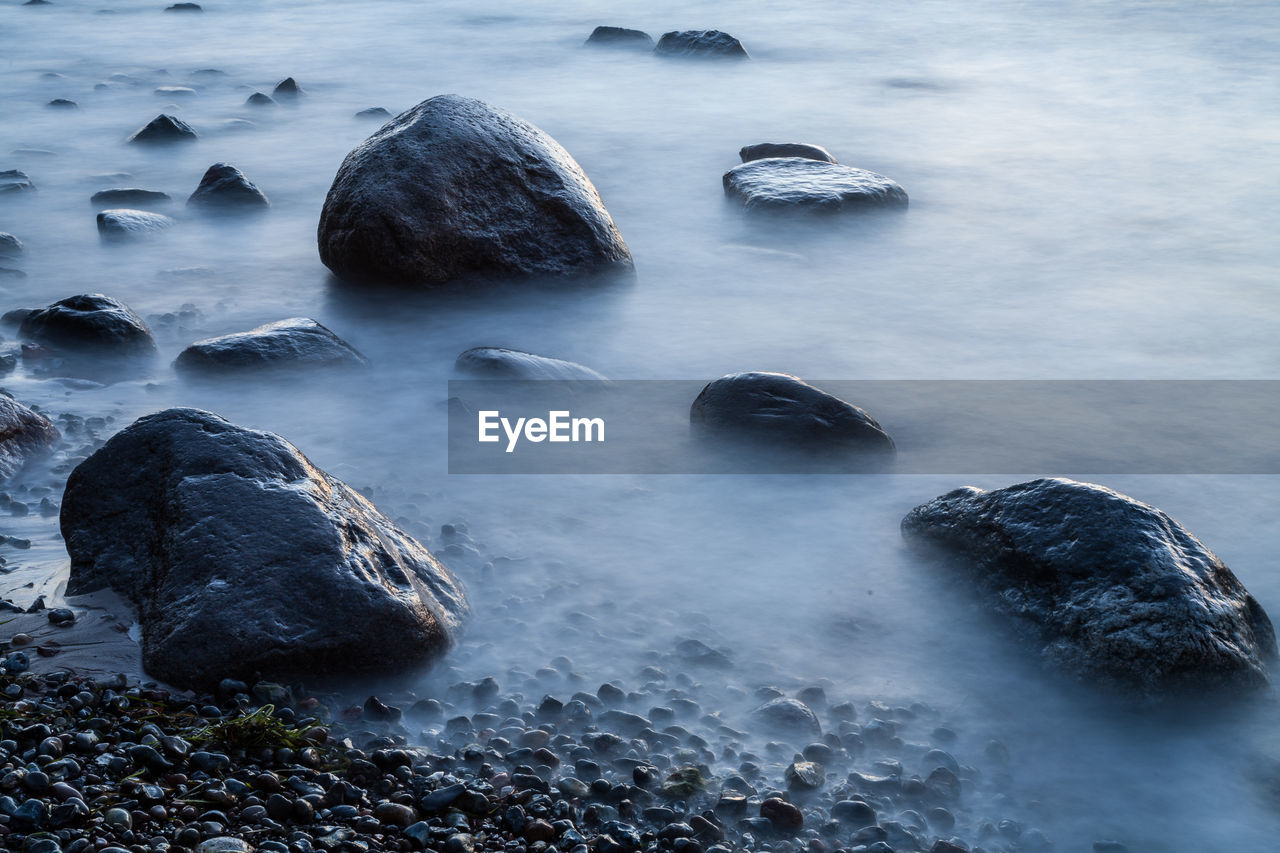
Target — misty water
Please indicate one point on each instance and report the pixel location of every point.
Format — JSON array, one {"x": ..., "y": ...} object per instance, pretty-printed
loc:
[{"x": 1093, "y": 196}]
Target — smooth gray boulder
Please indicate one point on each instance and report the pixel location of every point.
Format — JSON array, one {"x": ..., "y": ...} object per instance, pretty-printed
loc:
[
  {"x": 162, "y": 130},
  {"x": 91, "y": 324},
  {"x": 14, "y": 181},
  {"x": 129, "y": 197},
  {"x": 224, "y": 188},
  {"x": 619, "y": 37},
  {"x": 780, "y": 408},
  {"x": 246, "y": 561},
  {"x": 501, "y": 363},
  {"x": 126, "y": 224},
  {"x": 23, "y": 434},
  {"x": 700, "y": 44},
  {"x": 454, "y": 189},
  {"x": 801, "y": 184},
  {"x": 764, "y": 150},
  {"x": 298, "y": 343},
  {"x": 1113, "y": 590}
]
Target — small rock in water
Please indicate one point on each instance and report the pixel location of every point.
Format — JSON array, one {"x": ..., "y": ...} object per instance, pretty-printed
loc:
[
  {"x": 62, "y": 104},
  {"x": 805, "y": 775},
  {"x": 258, "y": 99},
  {"x": 286, "y": 90},
  {"x": 783, "y": 815},
  {"x": 700, "y": 44},
  {"x": 805, "y": 185},
  {"x": 175, "y": 92},
  {"x": 92, "y": 323},
  {"x": 185, "y": 7},
  {"x": 23, "y": 434},
  {"x": 225, "y": 188},
  {"x": 502, "y": 363},
  {"x": 379, "y": 113},
  {"x": 787, "y": 716},
  {"x": 122, "y": 223},
  {"x": 765, "y": 150},
  {"x": 62, "y": 616},
  {"x": 298, "y": 342},
  {"x": 683, "y": 783},
  {"x": 163, "y": 129},
  {"x": 619, "y": 37},
  {"x": 10, "y": 246},
  {"x": 129, "y": 196},
  {"x": 13, "y": 181}
]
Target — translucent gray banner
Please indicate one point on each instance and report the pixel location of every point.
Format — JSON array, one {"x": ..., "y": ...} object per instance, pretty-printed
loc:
[{"x": 937, "y": 427}]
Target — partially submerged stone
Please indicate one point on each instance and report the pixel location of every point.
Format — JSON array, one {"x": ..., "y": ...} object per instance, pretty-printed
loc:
[
  {"x": 619, "y": 37},
  {"x": 502, "y": 363},
  {"x": 700, "y": 44},
  {"x": 23, "y": 434},
  {"x": 764, "y": 150},
  {"x": 801, "y": 184},
  {"x": 163, "y": 129},
  {"x": 124, "y": 224},
  {"x": 298, "y": 343},
  {"x": 225, "y": 188}
]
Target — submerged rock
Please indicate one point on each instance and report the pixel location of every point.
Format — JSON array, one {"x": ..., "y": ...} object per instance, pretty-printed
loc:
[
  {"x": 454, "y": 189},
  {"x": 175, "y": 92},
  {"x": 287, "y": 90},
  {"x": 781, "y": 407},
  {"x": 62, "y": 104},
  {"x": 163, "y": 129},
  {"x": 619, "y": 37},
  {"x": 14, "y": 181},
  {"x": 764, "y": 150},
  {"x": 184, "y": 7},
  {"x": 258, "y": 99},
  {"x": 1114, "y": 590},
  {"x": 10, "y": 246},
  {"x": 501, "y": 363},
  {"x": 123, "y": 223},
  {"x": 91, "y": 323},
  {"x": 224, "y": 187},
  {"x": 23, "y": 434},
  {"x": 379, "y": 113},
  {"x": 700, "y": 44},
  {"x": 798, "y": 183},
  {"x": 244, "y": 560},
  {"x": 130, "y": 196},
  {"x": 298, "y": 342}
]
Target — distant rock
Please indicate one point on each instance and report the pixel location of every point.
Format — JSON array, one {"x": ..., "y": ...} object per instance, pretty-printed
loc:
[
  {"x": 787, "y": 717},
  {"x": 23, "y": 434},
  {"x": 700, "y": 44},
  {"x": 13, "y": 181},
  {"x": 175, "y": 92},
  {"x": 500, "y": 363},
  {"x": 63, "y": 104},
  {"x": 37, "y": 3},
  {"x": 91, "y": 323},
  {"x": 379, "y": 113},
  {"x": 1113, "y": 590},
  {"x": 454, "y": 189},
  {"x": 619, "y": 37},
  {"x": 765, "y": 150},
  {"x": 801, "y": 184},
  {"x": 132, "y": 196},
  {"x": 296, "y": 343},
  {"x": 225, "y": 188},
  {"x": 258, "y": 99},
  {"x": 163, "y": 129},
  {"x": 10, "y": 246},
  {"x": 778, "y": 407},
  {"x": 244, "y": 560},
  {"x": 184, "y": 7},
  {"x": 208, "y": 73},
  {"x": 287, "y": 90},
  {"x": 127, "y": 224}
]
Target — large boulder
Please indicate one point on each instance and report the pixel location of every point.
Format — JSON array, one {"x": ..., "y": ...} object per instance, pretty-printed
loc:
[
  {"x": 225, "y": 188},
  {"x": 454, "y": 189},
  {"x": 294, "y": 344},
  {"x": 244, "y": 560},
  {"x": 125, "y": 224},
  {"x": 763, "y": 150},
  {"x": 783, "y": 409},
  {"x": 92, "y": 324},
  {"x": 700, "y": 44},
  {"x": 23, "y": 434},
  {"x": 1115, "y": 591},
  {"x": 501, "y": 363},
  {"x": 803, "y": 184}
]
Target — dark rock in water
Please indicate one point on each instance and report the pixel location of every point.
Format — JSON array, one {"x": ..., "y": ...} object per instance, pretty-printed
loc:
[
  {"x": 454, "y": 189},
  {"x": 780, "y": 407},
  {"x": 287, "y": 90},
  {"x": 619, "y": 37},
  {"x": 163, "y": 129},
  {"x": 224, "y": 187},
  {"x": 298, "y": 342},
  {"x": 798, "y": 183},
  {"x": 500, "y": 363},
  {"x": 258, "y": 99},
  {"x": 245, "y": 560},
  {"x": 130, "y": 196},
  {"x": 90, "y": 323},
  {"x": 699, "y": 44},
  {"x": 785, "y": 816},
  {"x": 765, "y": 150},
  {"x": 184, "y": 7},
  {"x": 785, "y": 716},
  {"x": 123, "y": 224},
  {"x": 23, "y": 434},
  {"x": 374, "y": 112},
  {"x": 1115, "y": 590},
  {"x": 175, "y": 92},
  {"x": 805, "y": 776},
  {"x": 37, "y": 3},
  {"x": 62, "y": 103},
  {"x": 10, "y": 246},
  {"x": 13, "y": 181}
]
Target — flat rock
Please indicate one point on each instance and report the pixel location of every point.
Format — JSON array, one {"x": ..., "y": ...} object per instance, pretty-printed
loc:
[
  {"x": 296, "y": 343},
  {"x": 23, "y": 434},
  {"x": 62, "y": 104},
  {"x": 14, "y": 181},
  {"x": 184, "y": 7},
  {"x": 1113, "y": 590},
  {"x": 700, "y": 44},
  {"x": 91, "y": 323},
  {"x": 454, "y": 189},
  {"x": 10, "y": 246},
  {"x": 798, "y": 183},
  {"x": 225, "y": 188},
  {"x": 764, "y": 150},
  {"x": 619, "y": 37},
  {"x": 778, "y": 407},
  {"x": 124, "y": 223},
  {"x": 163, "y": 129},
  {"x": 501, "y": 363},
  {"x": 379, "y": 113},
  {"x": 175, "y": 92},
  {"x": 258, "y": 99},
  {"x": 131, "y": 196},
  {"x": 246, "y": 561}
]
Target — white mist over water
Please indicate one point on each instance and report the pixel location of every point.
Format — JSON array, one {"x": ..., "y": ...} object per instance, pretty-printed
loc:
[{"x": 1093, "y": 196}]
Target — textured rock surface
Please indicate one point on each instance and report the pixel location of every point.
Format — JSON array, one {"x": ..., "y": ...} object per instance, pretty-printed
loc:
[
  {"x": 14, "y": 181},
  {"x": 700, "y": 44},
  {"x": 225, "y": 188},
  {"x": 287, "y": 90},
  {"x": 90, "y": 323},
  {"x": 620, "y": 37},
  {"x": 296, "y": 343},
  {"x": 23, "y": 434},
  {"x": 124, "y": 224},
  {"x": 798, "y": 183},
  {"x": 163, "y": 129},
  {"x": 243, "y": 559},
  {"x": 500, "y": 363},
  {"x": 765, "y": 150},
  {"x": 1115, "y": 590},
  {"x": 780, "y": 407},
  {"x": 455, "y": 189}
]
